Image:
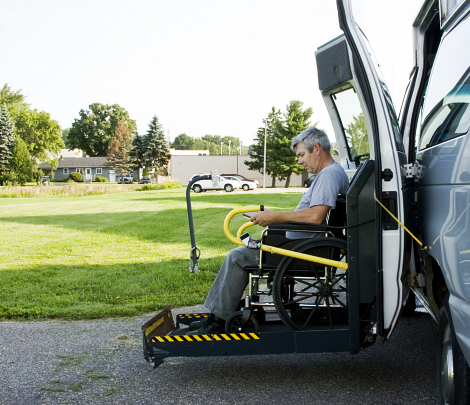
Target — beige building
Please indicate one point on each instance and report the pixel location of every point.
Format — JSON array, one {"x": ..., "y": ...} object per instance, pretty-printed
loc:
[{"x": 183, "y": 167}]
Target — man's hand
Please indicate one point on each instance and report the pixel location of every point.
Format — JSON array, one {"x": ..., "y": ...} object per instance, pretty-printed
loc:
[{"x": 264, "y": 218}]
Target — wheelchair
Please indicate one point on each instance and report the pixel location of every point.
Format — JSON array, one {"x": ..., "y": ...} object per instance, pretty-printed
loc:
[{"x": 301, "y": 282}]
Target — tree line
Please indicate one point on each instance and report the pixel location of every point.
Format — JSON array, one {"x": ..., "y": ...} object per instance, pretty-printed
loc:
[
  {"x": 29, "y": 136},
  {"x": 107, "y": 130},
  {"x": 216, "y": 144}
]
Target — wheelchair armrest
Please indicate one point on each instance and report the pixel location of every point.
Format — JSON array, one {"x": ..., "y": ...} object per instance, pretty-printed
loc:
[{"x": 301, "y": 227}]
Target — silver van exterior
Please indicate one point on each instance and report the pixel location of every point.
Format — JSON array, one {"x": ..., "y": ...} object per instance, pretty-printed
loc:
[{"x": 421, "y": 173}]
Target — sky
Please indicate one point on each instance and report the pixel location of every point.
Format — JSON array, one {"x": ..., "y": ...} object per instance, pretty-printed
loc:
[{"x": 201, "y": 66}]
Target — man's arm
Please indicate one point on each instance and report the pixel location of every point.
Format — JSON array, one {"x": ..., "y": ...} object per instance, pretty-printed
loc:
[{"x": 314, "y": 215}]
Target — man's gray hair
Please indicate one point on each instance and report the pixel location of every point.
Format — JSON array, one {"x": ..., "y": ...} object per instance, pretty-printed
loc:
[{"x": 310, "y": 137}]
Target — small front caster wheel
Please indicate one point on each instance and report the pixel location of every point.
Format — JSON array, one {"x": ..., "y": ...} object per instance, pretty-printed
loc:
[{"x": 233, "y": 324}]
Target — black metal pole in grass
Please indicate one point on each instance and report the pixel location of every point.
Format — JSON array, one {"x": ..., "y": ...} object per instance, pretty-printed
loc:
[{"x": 195, "y": 251}]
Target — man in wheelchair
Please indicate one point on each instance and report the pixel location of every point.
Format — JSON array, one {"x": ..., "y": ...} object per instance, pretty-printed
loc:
[{"x": 312, "y": 147}]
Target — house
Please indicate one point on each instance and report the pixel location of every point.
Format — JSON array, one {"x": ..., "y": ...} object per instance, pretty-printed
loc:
[{"x": 89, "y": 167}]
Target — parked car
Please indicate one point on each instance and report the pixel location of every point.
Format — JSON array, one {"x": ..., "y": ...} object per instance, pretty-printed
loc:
[
  {"x": 234, "y": 179},
  {"x": 308, "y": 182},
  {"x": 245, "y": 184},
  {"x": 46, "y": 180},
  {"x": 145, "y": 180},
  {"x": 208, "y": 184}
]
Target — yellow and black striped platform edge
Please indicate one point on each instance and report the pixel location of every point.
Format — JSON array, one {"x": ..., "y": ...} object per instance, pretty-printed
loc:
[
  {"x": 190, "y": 316},
  {"x": 207, "y": 338}
]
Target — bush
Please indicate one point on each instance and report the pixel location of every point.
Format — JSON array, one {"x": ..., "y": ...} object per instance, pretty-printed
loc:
[
  {"x": 160, "y": 186},
  {"x": 75, "y": 176},
  {"x": 101, "y": 179}
]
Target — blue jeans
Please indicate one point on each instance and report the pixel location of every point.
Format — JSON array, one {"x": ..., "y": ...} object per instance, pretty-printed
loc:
[{"x": 227, "y": 289}]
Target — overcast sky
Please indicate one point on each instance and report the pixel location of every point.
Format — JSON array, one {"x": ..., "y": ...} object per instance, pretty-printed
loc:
[{"x": 202, "y": 66}]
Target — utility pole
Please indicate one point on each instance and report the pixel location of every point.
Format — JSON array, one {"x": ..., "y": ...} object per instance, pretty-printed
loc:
[
  {"x": 229, "y": 142},
  {"x": 264, "y": 165},
  {"x": 221, "y": 143}
]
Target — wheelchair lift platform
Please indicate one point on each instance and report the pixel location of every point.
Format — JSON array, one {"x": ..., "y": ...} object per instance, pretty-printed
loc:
[
  {"x": 327, "y": 291},
  {"x": 273, "y": 337}
]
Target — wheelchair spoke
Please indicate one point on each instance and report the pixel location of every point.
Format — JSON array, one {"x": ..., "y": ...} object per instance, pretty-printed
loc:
[{"x": 311, "y": 314}]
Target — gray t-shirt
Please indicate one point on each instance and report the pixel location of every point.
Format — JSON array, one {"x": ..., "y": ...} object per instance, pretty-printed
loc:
[{"x": 324, "y": 190}]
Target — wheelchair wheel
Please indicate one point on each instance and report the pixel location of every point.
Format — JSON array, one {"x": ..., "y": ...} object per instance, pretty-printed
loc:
[
  {"x": 233, "y": 324},
  {"x": 308, "y": 294}
]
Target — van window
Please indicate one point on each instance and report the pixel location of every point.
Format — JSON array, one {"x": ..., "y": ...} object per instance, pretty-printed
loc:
[
  {"x": 353, "y": 122},
  {"x": 450, "y": 118}
]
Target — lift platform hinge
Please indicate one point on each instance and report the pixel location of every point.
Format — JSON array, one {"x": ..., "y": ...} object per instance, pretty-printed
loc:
[{"x": 412, "y": 170}]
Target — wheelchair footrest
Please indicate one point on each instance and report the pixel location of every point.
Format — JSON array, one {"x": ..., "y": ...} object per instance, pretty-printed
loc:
[{"x": 186, "y": 319}]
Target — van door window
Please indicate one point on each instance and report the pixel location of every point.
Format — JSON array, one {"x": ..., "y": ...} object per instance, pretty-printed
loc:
[
  {"x": 353, "y": 124},
  {"x": 450, "y": 118}
]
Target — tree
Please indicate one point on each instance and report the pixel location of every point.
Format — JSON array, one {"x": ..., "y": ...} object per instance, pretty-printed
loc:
[
  {"x": 284, "y": 161},
  {"x": 7, "y": 140},
  {"x": 41, "y": 134},
  {"x": 21, "y": 168},
  {"x": 137, "y": 152},
  {"x": 183, "y": 142},
  {"x": 65, "y": 135},
  {"x": 36, "y": 128},
  {"x": 14, "y": 100},
  {"x": 96, "y": 127},
  {"x": 256, "y": 151},
  {"x": 357, "y": 133},
  {"x": 157, "y": 154},
  {"x": 118, "y": 152}
]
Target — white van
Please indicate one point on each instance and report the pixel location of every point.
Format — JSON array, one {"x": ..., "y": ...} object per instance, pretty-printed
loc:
[{"x": 421, "y": 174}]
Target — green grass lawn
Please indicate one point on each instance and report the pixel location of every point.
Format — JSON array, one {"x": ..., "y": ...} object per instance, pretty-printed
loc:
[{"x": 120, "y": 254}]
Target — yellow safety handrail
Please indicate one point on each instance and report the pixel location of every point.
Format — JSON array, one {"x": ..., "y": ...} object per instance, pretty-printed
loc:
[{"x": 272, "y": 249}]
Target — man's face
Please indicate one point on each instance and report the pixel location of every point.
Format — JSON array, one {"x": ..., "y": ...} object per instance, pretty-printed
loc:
[{"x": 310, "y": 161}]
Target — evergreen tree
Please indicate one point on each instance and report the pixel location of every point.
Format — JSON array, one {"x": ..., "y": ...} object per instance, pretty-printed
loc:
[
  {"x": 21, "y": 168},
  {"x": 256, "y": 151},
  {"x": 118, "y": 153},
  {"x": 137, "y": 152},
  {"x": 284, "y": 160},
  {"x": 157, "y": 154},
  {"x": 7, "y": 140}
]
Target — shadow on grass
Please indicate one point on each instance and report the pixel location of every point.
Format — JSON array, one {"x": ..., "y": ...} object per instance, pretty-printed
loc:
[
  {"x": 160, "y": 224},
  {"x": 96, "y": 291}
]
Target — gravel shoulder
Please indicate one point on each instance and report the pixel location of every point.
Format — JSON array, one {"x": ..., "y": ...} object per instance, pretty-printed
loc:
[{"x": 101, "y": 362}]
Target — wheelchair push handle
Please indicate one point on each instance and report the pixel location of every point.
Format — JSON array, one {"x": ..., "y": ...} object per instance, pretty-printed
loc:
[{"x": 231, "y": 214}]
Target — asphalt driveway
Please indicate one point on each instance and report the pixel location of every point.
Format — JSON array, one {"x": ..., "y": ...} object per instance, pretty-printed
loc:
[{"x": 101, "y": 362}]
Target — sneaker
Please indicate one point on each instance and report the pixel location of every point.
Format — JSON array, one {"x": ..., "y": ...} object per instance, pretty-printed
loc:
[
  {"x": 213, "y": 324},
  {"x": 198, "y": 324}
]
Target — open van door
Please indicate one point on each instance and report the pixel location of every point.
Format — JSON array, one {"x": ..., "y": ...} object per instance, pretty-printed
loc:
[{"x": 366, "y": 128}]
